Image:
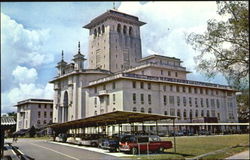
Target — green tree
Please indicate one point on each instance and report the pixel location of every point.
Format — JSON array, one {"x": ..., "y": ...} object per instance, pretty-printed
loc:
[
  {"x": 224, "y": 46},
  {"x": 32, "y": 131},
  {"x": 243, "y": 106}
]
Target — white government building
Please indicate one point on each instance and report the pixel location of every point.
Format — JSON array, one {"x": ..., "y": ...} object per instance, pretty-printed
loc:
[
  {"x": 119, "y": 78},
  {"x": 34, "y": 112}
]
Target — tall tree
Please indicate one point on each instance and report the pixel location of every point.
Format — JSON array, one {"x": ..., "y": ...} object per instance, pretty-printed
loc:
[{"x": 224, "y": 46}]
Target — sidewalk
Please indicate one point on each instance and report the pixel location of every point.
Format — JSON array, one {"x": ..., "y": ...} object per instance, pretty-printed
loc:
[{"x": 242, "y": 155}]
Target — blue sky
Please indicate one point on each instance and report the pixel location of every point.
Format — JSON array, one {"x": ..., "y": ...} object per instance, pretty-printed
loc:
[{"x": 34, "y": 33}]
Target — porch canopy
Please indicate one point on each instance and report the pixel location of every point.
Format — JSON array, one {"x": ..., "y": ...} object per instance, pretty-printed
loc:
[{"x": 112, "y": 118}]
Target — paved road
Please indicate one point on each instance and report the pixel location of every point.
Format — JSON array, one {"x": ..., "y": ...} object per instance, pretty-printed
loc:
[
  {"x": 242, "y": 155},
  {"x": 42, "y": 150}
]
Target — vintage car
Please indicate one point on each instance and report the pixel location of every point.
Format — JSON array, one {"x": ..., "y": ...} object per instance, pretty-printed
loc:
[{"x": 135, "y": 144}]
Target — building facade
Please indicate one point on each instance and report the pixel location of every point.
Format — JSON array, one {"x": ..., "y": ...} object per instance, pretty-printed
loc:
[
  {"x": 118, "y": 78},
  {"x": 34, "y": 112}
]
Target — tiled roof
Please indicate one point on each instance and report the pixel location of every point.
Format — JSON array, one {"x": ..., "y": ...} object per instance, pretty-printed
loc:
[{"x": 7, "y": 121}]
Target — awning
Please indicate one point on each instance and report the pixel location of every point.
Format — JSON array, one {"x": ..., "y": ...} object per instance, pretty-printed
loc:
[
  {"x": 7, "y": 121},
  {"x": 116, "y": 117}
]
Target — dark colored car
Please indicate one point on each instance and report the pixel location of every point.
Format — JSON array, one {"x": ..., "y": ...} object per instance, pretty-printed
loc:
[
  {"x": 111, "y": 144},
  {"x": 135, "y": 144}
]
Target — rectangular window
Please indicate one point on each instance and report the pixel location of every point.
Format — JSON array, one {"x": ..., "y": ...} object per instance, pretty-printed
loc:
[
  {"x": 134, "y": 84},
  {"x": 113, "y": 98},
  {"x": 218, "y": 103},
  {"x": 164, "y": 88},
  {"x": 161, "y": 72},
  {"x": 39, "y": 105},
  {"x": 190, "y": 101},
  {"x": 202, "y": 105},
  {"x": 212, "y": 92},
  {"x": 149, "y": 99},
  {"x": 216, "y": 92},
  {"x": 177, "y": 89},
  {"x": 178, "y": 101},
  {"x": 171, "y": 87},
  {"x": 142, "y": 99},
  {"x": 169, "y": 73},
  {"x": 39, "y": 114},
  {"x": 134, "y": 98},
  {"x": 212, "y": 103},
  {"x": 207, "y": 103},
  {"x": 45, "y": 114},
  {"x": 165, "y": 100},
  {"x": 184, "y": 101},
  {"x": 218, "y": 116},
  {"x": 172, "y": 111},
  {"x": 149, "y": 85},
  {"x": 195, "y": 90},
  {"x": 196, "y": 102},
  {"x": 206, "y": 91},
  {"x": 104, "y": 87},
  {"x": 113, "y": 85},
  {"x": 201, "y": 90},
  {"x": 184, "y": 89},
  {"x": 189, "y": 89},
  {"x": 95, "y": 102},
  {"x": 171, "y": 99},
  {"x": 45, "y": 106},
  {"x": 95, "y": 89},
  {"x": 142, "y": 85},
  {"x": 51, "y": 114},
  {"x": 51, "y": 106},
  {"x": 176, "y": 74}
]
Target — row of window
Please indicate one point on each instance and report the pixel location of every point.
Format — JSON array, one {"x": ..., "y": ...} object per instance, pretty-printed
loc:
[
  {"x": 45, "y": 106},
  {"x": 44, "y": 114},
  {"x": 102, "y": 100},
  {"x": 142, "y": 99},
  {"x": 120, "y": 29},
  {"x": 202, "y": 103},
  {"x": 44, "y": 122},
  {"x": 141, "y": 85},
  {"x": 197, "y": 113},
  {"x": 104, "y": 87}
]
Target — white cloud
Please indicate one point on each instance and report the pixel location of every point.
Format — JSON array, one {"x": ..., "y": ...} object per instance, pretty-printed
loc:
[
  {"x": 24, "y": 75},
  {"x": 25, "y": 91}
]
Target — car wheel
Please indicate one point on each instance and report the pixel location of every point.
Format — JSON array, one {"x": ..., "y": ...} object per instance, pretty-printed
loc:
[
  {"x": 134, "y": 151},
  {"x": 94, "y": 144},
  {"x": 161, "y": 149}
]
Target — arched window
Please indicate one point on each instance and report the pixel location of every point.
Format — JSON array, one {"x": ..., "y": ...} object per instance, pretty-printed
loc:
[
  {"x": 95, "y": 113},
  {"x": 65, "y": 106},
  {"x": 99, "y": 30},
  {"x": 134, "y": 109},
  {"x": 142, "y": 110},
  {"x": 119, "y": 28},
  {"x": 185, "y": 113},
  {"x": 190, "y": 114},
  {"x": 103, "y": 29},
  {"x": 95, "y": 32},
  {"x": 208, "y": 114},
  {"x": 38, "y": 122},
  {"x": 196, "y": 113},
  {"x": 44, "y": 122},
  {"x": 125, "y": 29},
  {"x": 202, "y": 113},
  {"x": 130, "y": 31},
  {"x": 114, "y": 109},
  {"x": 150, "y": 110}
]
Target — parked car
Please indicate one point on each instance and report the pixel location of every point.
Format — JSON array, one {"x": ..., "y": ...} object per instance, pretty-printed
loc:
[
  {"x": 134, "y": 144},
  {"x": 112, "y": 143},
  {"x": 91, "y": 140},
  {"x": 62, "y": 137},
  {"x": 204, "y": 132}
]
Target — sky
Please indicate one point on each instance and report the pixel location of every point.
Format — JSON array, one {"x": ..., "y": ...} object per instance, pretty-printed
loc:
[{"x": 33, "y": 35}]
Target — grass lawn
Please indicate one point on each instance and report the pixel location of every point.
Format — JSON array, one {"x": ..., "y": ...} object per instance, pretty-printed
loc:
[{"x": 188, "y": 147}]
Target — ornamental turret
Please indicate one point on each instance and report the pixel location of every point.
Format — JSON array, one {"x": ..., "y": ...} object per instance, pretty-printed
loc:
[
  {"x": 78, "y": 59},
  {"x": 61, "y": 66}
]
